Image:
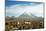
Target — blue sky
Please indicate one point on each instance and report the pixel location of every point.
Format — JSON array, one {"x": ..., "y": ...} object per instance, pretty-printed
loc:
[
  {"x": 10, "y": 3},
  {"x": 28, "y": 0},
  {"x": 16, "y": 8}
]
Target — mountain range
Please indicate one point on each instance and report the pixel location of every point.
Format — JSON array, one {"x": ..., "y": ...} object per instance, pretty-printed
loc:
[{"x": 26, "y": 16}]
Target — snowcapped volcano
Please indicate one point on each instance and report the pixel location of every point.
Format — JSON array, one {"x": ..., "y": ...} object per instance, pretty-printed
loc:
[
  {"x": 27, "y": 15},
  {"x": 24, "y": 15}
]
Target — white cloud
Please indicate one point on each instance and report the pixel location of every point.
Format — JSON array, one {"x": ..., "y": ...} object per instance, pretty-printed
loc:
[
  {"x": 15, "y": 10},
  {"x": 36, "y": 10}
]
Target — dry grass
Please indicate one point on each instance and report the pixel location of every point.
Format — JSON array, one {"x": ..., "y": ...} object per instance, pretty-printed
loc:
[{"x": 18, "y": 25}]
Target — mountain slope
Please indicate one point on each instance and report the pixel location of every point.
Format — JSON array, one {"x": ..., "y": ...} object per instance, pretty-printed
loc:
[{"x": 27, "y": 16}]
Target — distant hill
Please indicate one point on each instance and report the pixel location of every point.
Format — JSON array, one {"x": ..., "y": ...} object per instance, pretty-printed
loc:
[{"x": 26, "y": 17}]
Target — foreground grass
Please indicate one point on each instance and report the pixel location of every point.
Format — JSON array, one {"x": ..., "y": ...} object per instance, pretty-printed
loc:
[{"x": 21, "y": 25}]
